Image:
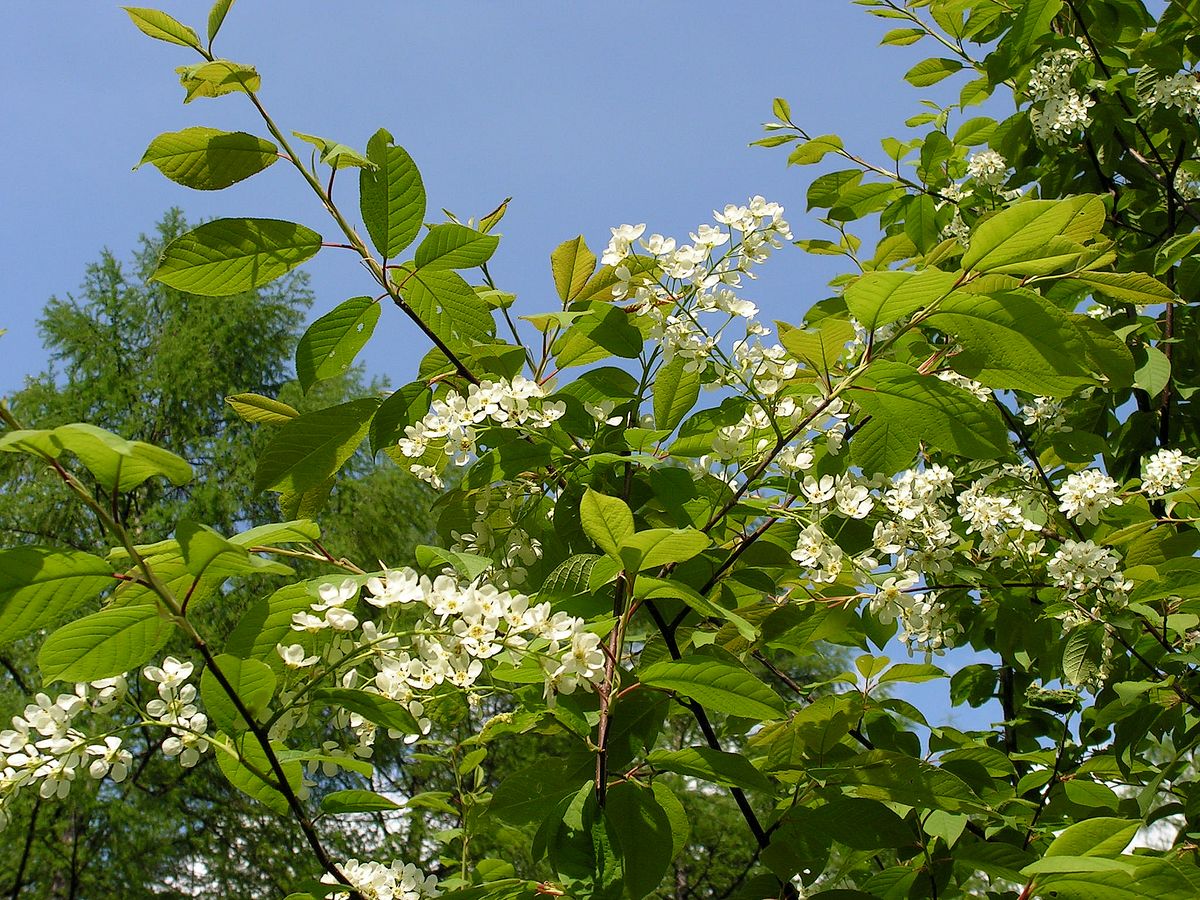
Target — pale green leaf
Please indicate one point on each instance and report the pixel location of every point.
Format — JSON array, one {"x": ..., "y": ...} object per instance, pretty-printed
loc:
[
  {"x": 445, "y": 302},
  {"x": 660, "y": 547},
  {"x": 311, "y": 448},
  {"x": 264, "y": 410},
  {"x": 231, "y": 256},
  {"x": 218, "y": 78},
  {"x": 880, "y": 298},
  {"x": 1021, "y": 239},
  {"x": 208, "y": 159},
  {"x": 216, "y": 17},
  {"x": 607, "y": 521},
  {"x": 572, "y": 264},
  {"x": 39, "y": 585},
  {"x": 251, "y": 680},
  {"x": 454, "y": 246},
  {"x": 391, "y": 196},
  {"x": 111, "y": 642},
  {"x": 339, "y": 803},
  {"x": 163, "y": 27},
  {"x": 330, "y": 344}
]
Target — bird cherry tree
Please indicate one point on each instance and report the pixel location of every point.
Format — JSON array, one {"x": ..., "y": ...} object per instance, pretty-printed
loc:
[{"x": 653, "y": 506}]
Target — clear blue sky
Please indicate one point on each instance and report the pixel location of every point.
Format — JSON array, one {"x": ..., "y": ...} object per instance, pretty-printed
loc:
[{"x": 587, "y": 114}]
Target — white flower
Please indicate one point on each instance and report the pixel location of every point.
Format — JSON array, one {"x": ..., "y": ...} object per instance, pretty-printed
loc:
[
  {"x": 622, "y": 238},
  {"x": 294, "y": 658},
  {"x": 1086, "y": 494},
  {"x": 171, "y": 674},
  {"x": 987, "y": 166},
  {"x": 110, "y": 759},
  {"x": 1166, "y": 470},
  {"x": 1181, "y": 90}
]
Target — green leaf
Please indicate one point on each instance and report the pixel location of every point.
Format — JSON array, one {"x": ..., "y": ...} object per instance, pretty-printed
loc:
[
  {"x": 715, "y": 684},
  {"x": 205, "y": 552},
  {"x": 1083, "y": 653},
  {"x": 218, "y": 78},
  {"x": 330, "y": 344},
  {"x": 268, "y": 622},
  {"x": 334, "y": 154},
  {"x": 600, "y": 285},
  {"x": 248, "y": 770},
  {"x": 917, "y": 407},
  {"x": 339, "y": 803},
  {"x": 1126, "y": 287},
  {"x": 660, "y": 547},
  {"x": 111, "y": 642},
  {"x": 608, "y": 521},
  {"x": 163, "y": 27},
  {"x": 1032, "y": 22},
  {"x": 264, "y": 410},
  {"x": 399, "y": 410},
  {"x": 216, "y": 17},
  {"x": 676, "y": 391},
  {"x": 902, "y": 37},
  {"x": 1154, "y": 373},
  {"x": 445, "y": 302},
  {"x": 299, "y": 531},
  {"x": 717, "y": 766},
  {"x": 921, "y": 222},
  {"x": 931, "y": 71},
  {"x": 251, "y": 680},
  {"x": 681, "y": 829},
  {"x": 39, "y": 585},
  {"x": 604, "y": 331},
  {"x": 382, "y": 711},
  {"x": 1095, "y": 837},
  {"x": 1023, "y": 238},
  {"x": 821, "y": 348},
  {"x": 469, "y": 565},
  {"x": 814, "y": 150},
  {"x": 311, "y": 448},
  {"x": 454, "y": 246},
  {"x": 1151, "y": 879},
  {"x": 116, "y": 463},
  {"x": 231, "y": 256},
  {"x": 655, "y": 588},
  {"x": 896, "y": 778},
  {"x": 572, "y": 264},
  {"x": 208, "y": 159},
  {"x": 527, "y": 795},
  {"x": 391, "y": 196},
  {"x": 643, "y": 834},
  {"x": 880, "y": 298},
  {"x": 1015, "y": 340}
]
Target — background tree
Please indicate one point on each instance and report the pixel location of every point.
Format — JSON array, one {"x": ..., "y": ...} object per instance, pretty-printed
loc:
[{"x": 156, "y": 364}]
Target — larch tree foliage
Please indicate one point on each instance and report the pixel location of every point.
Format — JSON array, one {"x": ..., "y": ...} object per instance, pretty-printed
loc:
[{"x": 984, "y": 438}]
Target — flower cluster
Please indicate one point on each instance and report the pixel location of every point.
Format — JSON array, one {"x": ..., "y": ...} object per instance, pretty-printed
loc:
[
  {"x": 701, "y": 278},
  {"x": 375, "y": 881},
  {"x": 452, "y": 422},
  {"x": 1165, "y": 471},
  {"x": 1059, "y": 110},
  {"x": 176, "y": 709},
  {"x": 433, "y": 632},
  {"x": 987, "y": 167},
  {"x": 1086, "y": 494},
  {"x": 46, "y": 750},
  {"x": 1181, "y": 91}
]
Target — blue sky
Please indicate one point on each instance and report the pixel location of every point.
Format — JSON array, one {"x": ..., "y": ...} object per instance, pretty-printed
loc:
[{"x": 587, "y": 114}]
